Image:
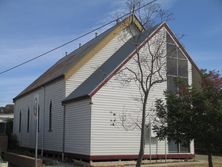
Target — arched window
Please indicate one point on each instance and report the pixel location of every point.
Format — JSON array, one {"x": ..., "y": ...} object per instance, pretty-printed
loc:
[
  {"x": 50, "y": 116},
  {"x": 28, "y": 120},
  {"x": 20, "y": 120}
]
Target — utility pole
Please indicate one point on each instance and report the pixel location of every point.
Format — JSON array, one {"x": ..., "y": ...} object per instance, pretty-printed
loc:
[{"x": 36, "y": 114}]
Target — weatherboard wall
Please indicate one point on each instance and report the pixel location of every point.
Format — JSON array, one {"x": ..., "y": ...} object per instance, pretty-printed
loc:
[
  {"x": 78, "y": 127},
  {"x": 54, "y": 92},
  {"x": 115, "y": 101}
]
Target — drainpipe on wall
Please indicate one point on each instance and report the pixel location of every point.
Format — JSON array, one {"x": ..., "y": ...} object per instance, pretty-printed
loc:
[
  {"x": 43, "y": 122},
  {"x": 63, "y": 140}
]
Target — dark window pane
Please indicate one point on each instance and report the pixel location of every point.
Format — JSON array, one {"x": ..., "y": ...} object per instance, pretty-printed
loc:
[
  {"x": 181, "y": 55},
  {"x": 182, "y": 68},
  {"x": 171, "y": 66},
  {"x": 185, "y": 148},
  {"x": 169, "y": 39},
  {"x": 171, "y": 84},
  {"x": 171, "y": 51},
  {"x": 173, "y": 147}
]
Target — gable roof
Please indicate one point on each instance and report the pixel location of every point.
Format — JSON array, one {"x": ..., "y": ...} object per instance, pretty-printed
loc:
[
  {"x": 86, "y": 89},
  {"x": 92, "y": 84},
  {"x": 66, "y": 66}
]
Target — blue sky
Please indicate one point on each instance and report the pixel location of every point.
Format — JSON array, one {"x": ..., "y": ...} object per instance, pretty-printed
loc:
[{"x": 31, "y": 27}]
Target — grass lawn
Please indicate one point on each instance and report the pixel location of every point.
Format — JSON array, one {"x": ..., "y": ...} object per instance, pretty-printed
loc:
[{"x": 200, "y": 161}]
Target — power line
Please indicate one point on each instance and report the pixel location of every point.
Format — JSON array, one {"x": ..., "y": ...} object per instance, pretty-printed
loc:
[{"x": 75, "y": 39}]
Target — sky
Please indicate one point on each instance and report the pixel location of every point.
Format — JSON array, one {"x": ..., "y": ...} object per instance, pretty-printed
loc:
[{"x": 31, "y": 27}]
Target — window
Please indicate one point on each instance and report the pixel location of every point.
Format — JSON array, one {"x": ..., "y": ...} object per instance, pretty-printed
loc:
[
  {"x": 28, "y": 117},
  {"x": 38, "y": 118},
  {"x": 172, "y": 66},
  {"x": 182, "y": 68},
  {"x": 20, "y": 119},
  {"x": 50, "y": 116},
  {"x": 177, "y": 65},
  {"x": 174, "y": 147},
  {"x": 171, "y": 84},
  {"x": 185, "y": 148},
  {"x": 171, "y": 50}
]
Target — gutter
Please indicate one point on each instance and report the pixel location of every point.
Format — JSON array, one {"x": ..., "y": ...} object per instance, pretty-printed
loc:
[{"x": 66, "y": 101}]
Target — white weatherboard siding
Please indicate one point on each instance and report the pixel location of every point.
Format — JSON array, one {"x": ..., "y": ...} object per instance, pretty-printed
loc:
[
  {"x": 107, "y": 139},
  {"x": 78, "y": 124},
  {"x": 56, "y": 93},
  {"x": 116, "y": 98},
  {"x": 52, "y": 140},
  {"x": 26, "y": 139},
  {"x": 97, "y": 60}
]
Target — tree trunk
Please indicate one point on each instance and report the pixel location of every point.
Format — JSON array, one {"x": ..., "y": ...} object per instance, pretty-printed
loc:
[
  {"x": 141, "y": 153},
  {"x": 210, "y": 162},
  {"x": 142, "y": 136}
]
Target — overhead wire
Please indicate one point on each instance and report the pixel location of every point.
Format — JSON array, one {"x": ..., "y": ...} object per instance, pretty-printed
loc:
[{"x": 75, "y": 39}]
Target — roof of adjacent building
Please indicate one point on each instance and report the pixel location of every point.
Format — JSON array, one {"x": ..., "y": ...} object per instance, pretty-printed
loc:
[
  {"x": 62, "y": 66},
  {"x": 86, "y": 88}
]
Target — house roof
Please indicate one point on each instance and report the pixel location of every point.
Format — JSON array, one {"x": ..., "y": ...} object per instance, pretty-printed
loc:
[
  {"x": 91, "y": 83},
  {"x": 64, "y": 65}
]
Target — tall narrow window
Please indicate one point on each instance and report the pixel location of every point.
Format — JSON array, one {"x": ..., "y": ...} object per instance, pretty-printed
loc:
[
  {"x": 38, "y": 118},
  {"x": 50, "y": 116},
  {"x": 177, "y": 68},
  {"x": 20, "y": 119},
  {"x": 28, "y": 117}
]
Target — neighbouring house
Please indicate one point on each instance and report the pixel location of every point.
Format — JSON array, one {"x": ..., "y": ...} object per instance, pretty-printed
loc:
[
  {"x": 6, "y": 118},
  {"x": 79, "y": 94}
]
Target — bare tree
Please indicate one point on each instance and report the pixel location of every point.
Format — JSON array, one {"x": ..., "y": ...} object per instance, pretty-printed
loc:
[{"x": 147, "y": 69}]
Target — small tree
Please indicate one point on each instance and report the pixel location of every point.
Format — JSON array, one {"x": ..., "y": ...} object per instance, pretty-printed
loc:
[{"x": 192, "y": 114}]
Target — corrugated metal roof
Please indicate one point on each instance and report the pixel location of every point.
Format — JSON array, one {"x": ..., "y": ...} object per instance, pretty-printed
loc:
[
  {"x": 63, "y": 65},
  {"x": 106, "y": 69}
]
